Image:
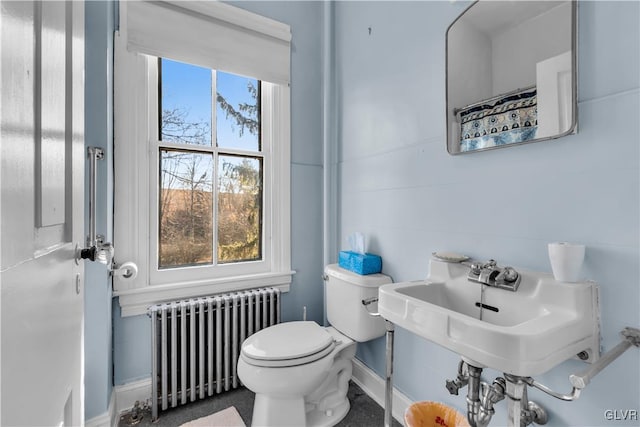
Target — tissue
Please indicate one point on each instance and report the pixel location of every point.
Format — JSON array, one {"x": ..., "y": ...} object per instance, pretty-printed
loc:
[
  {"x": 357, "y": 260},
  {"x": 356, "y": 242}
]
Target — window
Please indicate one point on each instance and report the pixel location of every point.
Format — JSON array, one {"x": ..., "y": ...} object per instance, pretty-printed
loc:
[
  {"x": 211, "y": 160},
  {"x": 201, "y": 157}
]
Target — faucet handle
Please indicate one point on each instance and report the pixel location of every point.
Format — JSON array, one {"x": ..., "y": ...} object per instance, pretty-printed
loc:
[
  {"x": 510, "y": 274},
  {"x": 490, "y": 264},
  {"x": 476, "y": 267},
  {"x": 453, "y": 387}
]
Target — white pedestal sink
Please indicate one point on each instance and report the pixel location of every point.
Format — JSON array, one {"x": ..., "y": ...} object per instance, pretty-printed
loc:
[{"x": 523, "y": 333}]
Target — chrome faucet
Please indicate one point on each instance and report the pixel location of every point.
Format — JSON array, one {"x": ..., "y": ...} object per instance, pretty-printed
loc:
[
  {"x": 483, "y": 272},
  {"x": 490, "y": 274}
]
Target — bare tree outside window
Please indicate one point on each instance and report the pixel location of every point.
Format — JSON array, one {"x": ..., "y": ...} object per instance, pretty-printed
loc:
[{"x": 186, "y": 209}]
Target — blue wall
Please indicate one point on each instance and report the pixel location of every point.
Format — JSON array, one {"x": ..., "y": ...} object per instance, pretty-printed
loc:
[
  {"x": 132, "y": 359},
  {"x": 99, "y": 21},
  {"x": 398, "y": 185},
  {"x": 305, "y": 19}
]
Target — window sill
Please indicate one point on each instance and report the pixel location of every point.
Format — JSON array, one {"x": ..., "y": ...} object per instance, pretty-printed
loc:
[{"x": 134, "y": 302}]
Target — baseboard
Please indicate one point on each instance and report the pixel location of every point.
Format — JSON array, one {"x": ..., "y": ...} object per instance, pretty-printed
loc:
[
  {"x": 126, "y": 396},
  {"x": 106, "y": 419},
  {"x": 374, "y": 386}
]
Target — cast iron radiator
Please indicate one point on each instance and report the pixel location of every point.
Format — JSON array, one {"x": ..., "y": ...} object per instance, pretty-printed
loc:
[{"x": 196, "y": 343}]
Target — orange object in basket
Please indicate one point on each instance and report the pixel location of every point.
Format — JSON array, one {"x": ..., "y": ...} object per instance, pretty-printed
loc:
[{"x": 433, "y": 414}]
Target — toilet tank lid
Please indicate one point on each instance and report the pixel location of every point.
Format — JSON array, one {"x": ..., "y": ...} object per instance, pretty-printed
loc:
[{"x": 367, "y": 280}]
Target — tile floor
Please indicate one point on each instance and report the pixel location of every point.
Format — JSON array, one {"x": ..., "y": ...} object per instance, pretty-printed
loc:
[{"x": 364, "y": 411}]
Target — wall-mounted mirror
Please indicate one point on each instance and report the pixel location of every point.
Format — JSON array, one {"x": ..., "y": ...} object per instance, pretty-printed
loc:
[{"x": 511, "y": 74}]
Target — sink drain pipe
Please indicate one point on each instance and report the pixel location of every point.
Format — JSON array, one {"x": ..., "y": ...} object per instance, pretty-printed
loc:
[
  {"x": 473, "y": 394},
  {"x": 481, "y": 397}
]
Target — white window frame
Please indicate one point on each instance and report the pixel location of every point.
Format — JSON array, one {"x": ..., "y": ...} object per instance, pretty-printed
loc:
[{"x": 136, "y": 180}]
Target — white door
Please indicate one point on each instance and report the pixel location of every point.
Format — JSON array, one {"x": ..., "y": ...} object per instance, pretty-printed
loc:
[{"x": 42, "y": 186}]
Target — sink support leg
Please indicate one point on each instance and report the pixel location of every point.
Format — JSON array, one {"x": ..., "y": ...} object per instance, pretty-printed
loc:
[{"x": 388, "y": 392}]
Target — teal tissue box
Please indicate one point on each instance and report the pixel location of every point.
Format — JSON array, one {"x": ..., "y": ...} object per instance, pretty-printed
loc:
[{"x": 360, "y": 263}]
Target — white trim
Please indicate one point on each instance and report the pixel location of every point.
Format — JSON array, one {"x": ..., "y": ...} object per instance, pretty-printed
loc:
[
  {"x": 131, "y": 183},
  {"x": 135, "y": 302},
  {"x": 279, "y": 127},
  {"x": 374, "y": 386},
  {"x": 107, "y": 418},
  {"x": 127, "y": 394}
]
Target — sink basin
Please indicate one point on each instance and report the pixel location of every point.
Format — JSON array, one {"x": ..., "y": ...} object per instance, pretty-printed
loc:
[{"x": 525, "y": 333}]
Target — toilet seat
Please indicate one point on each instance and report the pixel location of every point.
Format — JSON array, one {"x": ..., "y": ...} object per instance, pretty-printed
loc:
[{"x": 287, "y": 344}]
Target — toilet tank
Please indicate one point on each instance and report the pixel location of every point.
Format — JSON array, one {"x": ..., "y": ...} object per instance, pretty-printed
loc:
[{"x": 345, "y": 292}]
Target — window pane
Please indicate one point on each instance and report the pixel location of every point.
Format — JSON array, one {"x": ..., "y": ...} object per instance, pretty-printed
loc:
[
  {"x": 237, "y": 112},
  {"x": 185, "y": 103},
  {"x": 185, "y": 209},
  {"x": 239, "y": 209}
]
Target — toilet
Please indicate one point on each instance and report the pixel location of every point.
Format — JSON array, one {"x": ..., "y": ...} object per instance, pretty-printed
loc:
[{"x": 300, "y": 371}]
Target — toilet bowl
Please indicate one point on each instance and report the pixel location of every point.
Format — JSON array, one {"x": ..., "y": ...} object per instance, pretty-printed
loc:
[
  {"x": 297, "y": 384},
  {"x": 300, "y": 371}
]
